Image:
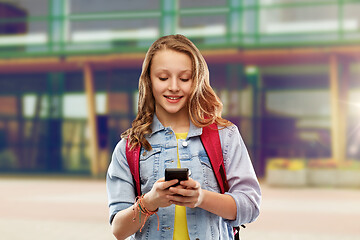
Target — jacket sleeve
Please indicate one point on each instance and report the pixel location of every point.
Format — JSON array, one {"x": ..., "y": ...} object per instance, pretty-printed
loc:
[
  {"x": 243, "y": 184},
  {"x": 119, "y": 182}
]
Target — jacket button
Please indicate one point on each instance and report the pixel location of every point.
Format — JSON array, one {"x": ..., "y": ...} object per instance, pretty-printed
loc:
[
  {"x": 197, "y": 239},
  {"x": 184, "y": 144}
]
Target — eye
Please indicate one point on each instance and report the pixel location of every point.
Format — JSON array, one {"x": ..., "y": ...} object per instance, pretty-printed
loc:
[
  {"x": 162, "y": 79},
  {"x": 184, "y": 79}
]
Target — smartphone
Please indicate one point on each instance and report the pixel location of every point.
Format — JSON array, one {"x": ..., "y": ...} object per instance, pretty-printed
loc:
[{"x": 176, "y": 173}]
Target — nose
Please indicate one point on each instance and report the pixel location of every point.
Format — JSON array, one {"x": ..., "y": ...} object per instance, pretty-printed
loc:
[{"x": 173, "y": 84}]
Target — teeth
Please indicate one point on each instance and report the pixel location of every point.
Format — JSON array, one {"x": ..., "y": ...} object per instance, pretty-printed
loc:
[{"x": 173, "y": 98}]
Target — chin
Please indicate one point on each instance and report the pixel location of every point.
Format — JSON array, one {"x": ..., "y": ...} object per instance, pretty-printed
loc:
[{"x": 173, "y": 111}]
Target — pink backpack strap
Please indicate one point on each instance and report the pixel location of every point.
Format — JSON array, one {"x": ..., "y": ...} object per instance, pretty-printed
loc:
[
  {"x": 211, "y": 141},
  {"x": 133, "y": 159}
]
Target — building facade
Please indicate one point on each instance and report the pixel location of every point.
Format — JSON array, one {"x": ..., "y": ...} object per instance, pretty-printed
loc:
[{"x": 286, "y": 71}]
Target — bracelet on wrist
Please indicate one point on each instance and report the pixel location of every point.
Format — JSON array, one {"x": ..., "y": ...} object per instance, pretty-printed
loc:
[{"x": 139, "y": 205}]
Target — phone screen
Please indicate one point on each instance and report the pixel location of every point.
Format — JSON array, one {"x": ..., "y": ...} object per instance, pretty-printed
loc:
[{"x": 176, "y": 173}]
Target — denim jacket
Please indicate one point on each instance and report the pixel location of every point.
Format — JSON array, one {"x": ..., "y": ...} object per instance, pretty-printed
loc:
[{"x": 202, "y": 225}]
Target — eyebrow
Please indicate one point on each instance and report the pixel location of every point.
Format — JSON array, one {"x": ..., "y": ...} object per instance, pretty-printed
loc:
[{"x": 165, "y": 70}]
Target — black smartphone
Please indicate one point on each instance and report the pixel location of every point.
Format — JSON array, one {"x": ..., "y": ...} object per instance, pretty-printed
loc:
[{"x": 176, "y": 173}]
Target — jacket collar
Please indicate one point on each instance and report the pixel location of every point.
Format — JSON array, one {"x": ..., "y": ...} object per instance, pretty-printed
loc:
[{"x": 156, "y": 126}]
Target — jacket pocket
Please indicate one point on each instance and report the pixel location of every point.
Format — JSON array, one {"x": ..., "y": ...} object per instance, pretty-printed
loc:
[
  {"x": 208, "y": 173},
  {"x": 149, "y": 165}
]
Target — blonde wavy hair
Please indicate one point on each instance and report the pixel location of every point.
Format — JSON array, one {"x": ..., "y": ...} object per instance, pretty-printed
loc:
[{"x": 204, "y": 105}]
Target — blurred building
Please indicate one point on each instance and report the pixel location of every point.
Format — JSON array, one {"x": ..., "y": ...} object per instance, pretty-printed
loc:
[{"x": 286, "y": 70}]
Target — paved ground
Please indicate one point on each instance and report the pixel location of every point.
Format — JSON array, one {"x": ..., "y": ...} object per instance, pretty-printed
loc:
[
  {"x": 307, "y": 213},
  {"x": 62, "y": 208}
]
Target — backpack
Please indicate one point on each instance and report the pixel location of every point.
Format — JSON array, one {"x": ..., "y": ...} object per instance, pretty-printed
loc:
[{"x": 211, "y": 141}]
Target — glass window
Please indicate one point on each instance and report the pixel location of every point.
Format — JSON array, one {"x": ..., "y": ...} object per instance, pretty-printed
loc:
[
  {"x": 108, "y": 30},
  {"x": 298, "y": 103},
  {"x": 89, "y": 6},
  {"x": 300, "y": 19},
  {"x": 35, "y": 105},
  {"x": 290, "y": 1},
  {"x": 75, "y": 150},
  {"x": 24, "y": 9},
  {"x": 118, "y": 102},
  {"x": 201, "y": 3},
  {"x": 74, "y": 105},
  {"x": 8, "y": 106},
  {"x": 353, "y": 128},
  {"x": 354, "y": 103},
  {"x": 202, "y": 25},
  {"x": 351, "y": 13},
  {"x": 31, "y": 8},
  {"x": 22, "y": 28}
]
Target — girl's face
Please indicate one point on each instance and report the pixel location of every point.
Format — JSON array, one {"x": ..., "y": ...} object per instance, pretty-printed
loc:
[{"x": 170, "y": 75}]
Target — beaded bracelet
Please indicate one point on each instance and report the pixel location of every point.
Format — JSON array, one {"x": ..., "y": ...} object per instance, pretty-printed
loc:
[{"x": 139, "y": 205}]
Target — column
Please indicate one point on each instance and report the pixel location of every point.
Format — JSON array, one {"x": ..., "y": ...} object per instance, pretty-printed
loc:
[
  {"x": 169, "y": 17},
  {"x": 338, "y": 97},
  {"x": 90, "y": 99}
]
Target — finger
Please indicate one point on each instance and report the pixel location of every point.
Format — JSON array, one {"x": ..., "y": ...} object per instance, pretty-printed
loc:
[
  {"x": 190, "y": 184},
  {"x": 186, "y": 192},
  {"x": 181, "y": 200},
  {"x": 178, "y": 187},
  {"x": 174, "y": 190},
  {"x": 161, "y": 179},
  {"x": 168, "y": 184}
]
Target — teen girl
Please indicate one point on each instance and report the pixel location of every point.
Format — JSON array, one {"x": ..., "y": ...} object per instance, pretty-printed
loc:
[{"x": 175, "y": 102}]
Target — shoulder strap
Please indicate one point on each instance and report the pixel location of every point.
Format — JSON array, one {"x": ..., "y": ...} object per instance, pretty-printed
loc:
[
  {"x": 133, "y": 159},
  {"x": 211, "y": 141}
]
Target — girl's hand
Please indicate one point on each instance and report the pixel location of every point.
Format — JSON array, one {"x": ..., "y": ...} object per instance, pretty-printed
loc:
[
  {"x": 158, "y": 195},
  {"x": 187, "y": 194}
]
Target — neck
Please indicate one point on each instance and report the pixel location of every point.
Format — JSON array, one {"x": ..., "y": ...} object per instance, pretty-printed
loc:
[{"x": 180, "y": 123}]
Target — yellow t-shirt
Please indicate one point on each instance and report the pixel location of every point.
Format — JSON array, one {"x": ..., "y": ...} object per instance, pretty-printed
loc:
[{"x": 180, "y": 225}]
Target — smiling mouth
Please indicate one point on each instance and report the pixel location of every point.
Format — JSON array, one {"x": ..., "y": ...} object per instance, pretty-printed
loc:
[{"x": 173, "y": 98}]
